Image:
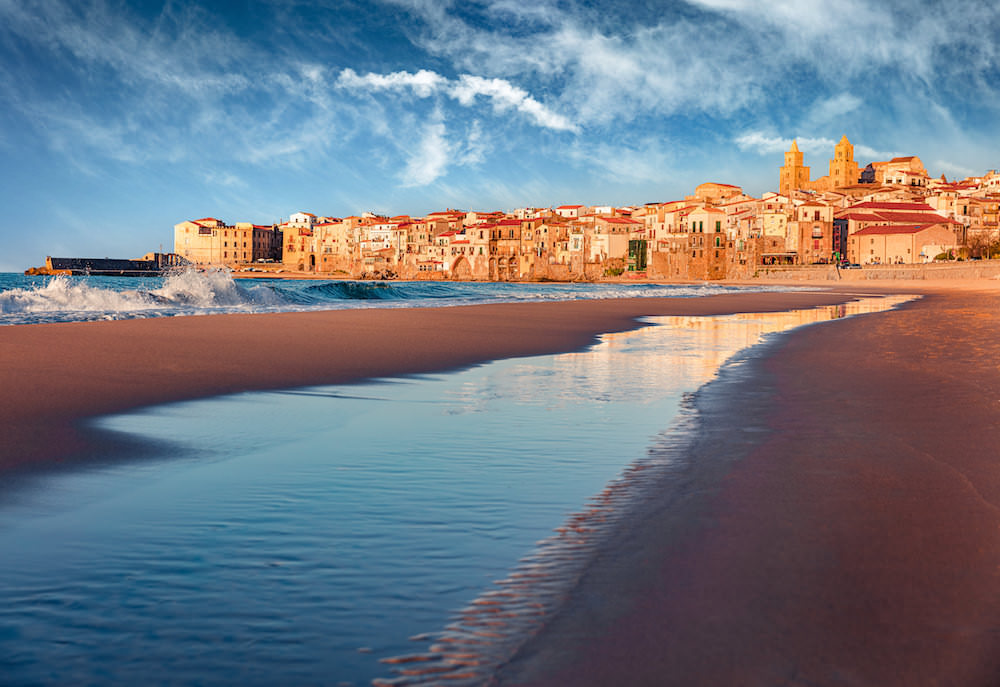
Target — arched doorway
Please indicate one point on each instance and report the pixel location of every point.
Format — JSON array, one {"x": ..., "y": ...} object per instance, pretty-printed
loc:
[{"x": 461, "y": 269}]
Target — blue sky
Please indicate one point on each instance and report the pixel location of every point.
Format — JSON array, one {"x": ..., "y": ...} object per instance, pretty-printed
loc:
[{"x": 119, "y": 119}]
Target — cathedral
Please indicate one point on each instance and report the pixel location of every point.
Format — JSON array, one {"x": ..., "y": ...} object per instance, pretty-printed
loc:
[{"x": 795, "y": 176}]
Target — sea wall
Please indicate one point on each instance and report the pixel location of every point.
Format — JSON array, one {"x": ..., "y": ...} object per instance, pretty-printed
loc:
[{"x": 973, "y": 269}]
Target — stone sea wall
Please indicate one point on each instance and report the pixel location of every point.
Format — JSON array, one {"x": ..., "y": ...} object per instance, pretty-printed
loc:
[{"x": 973, "y": 269}]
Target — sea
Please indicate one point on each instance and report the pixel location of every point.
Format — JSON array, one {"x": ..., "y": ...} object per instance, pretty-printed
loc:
[
  {"x": 37, "y": 299},
  {"x": 403, "y": 531}
]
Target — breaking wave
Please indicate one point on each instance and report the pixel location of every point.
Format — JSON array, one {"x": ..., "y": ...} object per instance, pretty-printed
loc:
[
  {"x": 32, "y": 300},
  {"x": 74, "y": 299}
]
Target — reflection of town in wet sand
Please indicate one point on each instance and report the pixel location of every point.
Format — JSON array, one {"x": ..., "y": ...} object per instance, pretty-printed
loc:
[
  {"x": 681, "y": 352},
  {"x": 318, "y": 529}
]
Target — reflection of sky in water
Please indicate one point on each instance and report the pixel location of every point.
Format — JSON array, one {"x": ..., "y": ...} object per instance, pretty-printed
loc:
[{"x": 301, "y": 536}]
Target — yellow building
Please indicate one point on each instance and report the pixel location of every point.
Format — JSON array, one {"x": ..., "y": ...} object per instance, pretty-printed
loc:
[
  {"x": 794, "y": 174},
  {"x": 900, "y": 244},
  {"x": 209, "y": 241},
  {"x": 843, "y": 168}
]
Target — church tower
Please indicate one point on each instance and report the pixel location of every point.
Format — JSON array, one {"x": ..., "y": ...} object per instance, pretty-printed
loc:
[
  {"x": 843, "y": 168},
  {"x": 793, "y": 175}
]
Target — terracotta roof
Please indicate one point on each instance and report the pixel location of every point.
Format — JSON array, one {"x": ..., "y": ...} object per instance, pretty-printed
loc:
[
  {"x": 872, "y": 205},
  {"x": 907, "y": 217},
  {"x": 894, "y": 229},
  {"x": 569, "y": 207},
  {"x": 859, "y": 216}
]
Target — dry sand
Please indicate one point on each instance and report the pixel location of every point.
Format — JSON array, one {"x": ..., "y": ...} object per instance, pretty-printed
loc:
[{"x": 856, "y": 541}]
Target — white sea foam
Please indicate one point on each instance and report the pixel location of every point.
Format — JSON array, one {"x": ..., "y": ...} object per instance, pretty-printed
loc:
[
  {"x": 200, "y": 289},
  {"x": 181, "y": 293},
  {"x": 29, "y": 300},
  {"x": 65, "y": 295}
]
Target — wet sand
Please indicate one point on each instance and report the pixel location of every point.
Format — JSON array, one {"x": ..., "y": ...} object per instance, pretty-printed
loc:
[
  {"x": 838, "y": 524},
  {"x": 56, "y": 376}
]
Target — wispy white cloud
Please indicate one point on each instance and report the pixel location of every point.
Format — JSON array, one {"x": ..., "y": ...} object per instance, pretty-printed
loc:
[
  {"x": 736, "y": 56},
  {"x": 764, "y": 144},
  {"x": 423, "y": 83},
  {"x": 828, "y": 109},
  {"x": 954, "y": 170},
  {"x": 501, "y": 93},
  {"x": 429, "y": 159},
  {"x": 643, "y": 160}
]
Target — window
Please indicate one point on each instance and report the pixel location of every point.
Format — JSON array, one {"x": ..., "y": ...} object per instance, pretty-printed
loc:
[{"x": 718, "y": 226}]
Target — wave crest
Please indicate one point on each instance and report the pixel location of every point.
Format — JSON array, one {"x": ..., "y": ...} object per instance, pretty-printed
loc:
[{"x": 63, "y": 299}]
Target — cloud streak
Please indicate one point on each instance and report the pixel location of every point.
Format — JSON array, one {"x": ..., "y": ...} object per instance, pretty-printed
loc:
[
  {"x": 763, "y": 144},
  {"x": 502, "y": 94}
]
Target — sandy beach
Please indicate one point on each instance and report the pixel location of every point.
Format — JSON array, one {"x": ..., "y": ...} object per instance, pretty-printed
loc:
[
  {"x": 55, "y": 376},
  {"x": 838, "y": 522}
]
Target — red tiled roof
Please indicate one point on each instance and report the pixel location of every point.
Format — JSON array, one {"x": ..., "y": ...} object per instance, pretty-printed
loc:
[
  {"x": 872, "y": 205},
  {"x": 859, "y": 216},
  {"x": 894, "y": 229},
  {"x": 569, "y": 207},
  {"x": 907, "y": 217},
  {"x": 619, "y": 220}
]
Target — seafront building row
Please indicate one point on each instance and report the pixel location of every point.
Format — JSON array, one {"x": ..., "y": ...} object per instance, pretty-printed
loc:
[{"x": 889, "y": 212}]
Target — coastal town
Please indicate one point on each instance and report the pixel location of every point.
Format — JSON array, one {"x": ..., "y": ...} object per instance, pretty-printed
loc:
[{"x": 886, "y": 213}]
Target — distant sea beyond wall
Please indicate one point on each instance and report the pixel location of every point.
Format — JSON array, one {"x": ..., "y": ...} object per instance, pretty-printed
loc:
[{"x": 969, "y": 270}]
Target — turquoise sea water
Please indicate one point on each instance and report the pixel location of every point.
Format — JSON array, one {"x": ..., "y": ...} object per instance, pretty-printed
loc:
[
  {"x": 30, "y": 300},
  {"x": 303, "y": 537}
]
